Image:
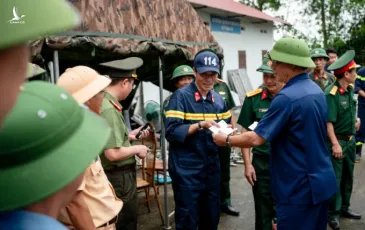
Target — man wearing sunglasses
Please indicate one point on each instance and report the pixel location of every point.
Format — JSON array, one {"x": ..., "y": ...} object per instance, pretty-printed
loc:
[{"x": 118, "y": 159}]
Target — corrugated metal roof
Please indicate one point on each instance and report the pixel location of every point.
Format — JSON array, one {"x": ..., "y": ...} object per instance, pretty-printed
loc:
[{"x": 237, "y": 8}]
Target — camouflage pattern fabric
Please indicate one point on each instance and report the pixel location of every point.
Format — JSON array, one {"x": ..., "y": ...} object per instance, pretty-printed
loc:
[{"x": 126, "y": 27}]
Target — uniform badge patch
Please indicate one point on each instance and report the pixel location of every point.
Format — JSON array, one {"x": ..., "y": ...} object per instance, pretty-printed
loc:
[{"x": 263, "y": 110}]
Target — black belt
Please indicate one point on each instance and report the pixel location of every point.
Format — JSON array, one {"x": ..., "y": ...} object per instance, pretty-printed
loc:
[
  {"x": 122, "y": 168},
  {"x": 110, "y": 222},
  {"x": 344, "y": 137}
]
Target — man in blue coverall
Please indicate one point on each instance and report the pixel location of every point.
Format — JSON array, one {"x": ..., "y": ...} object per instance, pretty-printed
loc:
[
  {"x": 193, "y": 162},
  {"x": 302, "y": 176}
]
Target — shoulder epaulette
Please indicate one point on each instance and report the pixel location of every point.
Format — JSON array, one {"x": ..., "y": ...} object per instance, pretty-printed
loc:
[
  {"x": 334, "y": 90},
  {"x": 253, "y": 93},
  {"x": 117, "y": 107}
]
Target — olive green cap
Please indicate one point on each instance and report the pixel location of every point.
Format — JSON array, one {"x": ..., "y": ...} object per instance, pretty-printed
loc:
[
  {"x": 47, "y": 141},
  {"x": 121, "y": 68},
  {"x": 319, "y": 52},
  {"x": 182, "y": 70},
  {"x": 292, "y": 51},
  {"x": 265, "y": 67},
  {"x": 345, "y": 59},
  {"x": 25, "y": 20},
  {"x": 34, "y": 70}
]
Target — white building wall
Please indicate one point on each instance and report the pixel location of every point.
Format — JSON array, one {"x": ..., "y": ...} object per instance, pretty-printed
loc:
[{"x": 251, "y": 40}]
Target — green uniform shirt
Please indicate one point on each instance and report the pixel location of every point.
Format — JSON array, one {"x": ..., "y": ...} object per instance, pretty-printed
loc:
[
  {"x": 322, "y": 82},
  {"x": 111, "y": 112},
  {"x": 341, "y": 108},
  {"x": 254, "y": 107},
  {"x": 222, "y": 88}
]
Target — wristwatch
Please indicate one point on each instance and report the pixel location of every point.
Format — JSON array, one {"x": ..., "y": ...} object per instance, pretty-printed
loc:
[
  {"x": 227, "y": 141},
  {"x": 199, "y": 126}
]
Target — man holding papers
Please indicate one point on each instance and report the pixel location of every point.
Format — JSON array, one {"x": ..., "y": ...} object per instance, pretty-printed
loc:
[{"x": 193, "y": 162}]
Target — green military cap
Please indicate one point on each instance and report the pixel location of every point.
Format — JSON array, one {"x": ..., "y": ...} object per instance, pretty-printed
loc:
[
  {"x": 319, "y": 52},
  {"x": 121, "y": 68},
  {"x": 344, "y": 63},
  {"x": 24, "y": 20},
  {"x": 182, "y": 70},
  {"x": 34, "y": 70},
  {"x": 265, "y": 67},
  {"x": 292, "y": 51},
  {"x": 47, "y": 141}
]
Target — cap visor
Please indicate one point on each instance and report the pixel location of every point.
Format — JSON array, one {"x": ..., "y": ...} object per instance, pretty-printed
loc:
[
  {"x": 29, "y": 183},
  {"x": 86, "y": 93},
  {"x": 319, "y": 56},
  {"x": 47, "y": 18},
  {"x": 207, "y": 69}
]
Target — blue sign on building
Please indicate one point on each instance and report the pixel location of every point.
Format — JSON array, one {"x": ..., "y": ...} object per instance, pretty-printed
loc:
[{"x": 227, "y": 25}]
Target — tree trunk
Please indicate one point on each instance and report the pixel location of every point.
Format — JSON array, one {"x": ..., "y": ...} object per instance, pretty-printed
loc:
[{"x": 324, "y": 27}]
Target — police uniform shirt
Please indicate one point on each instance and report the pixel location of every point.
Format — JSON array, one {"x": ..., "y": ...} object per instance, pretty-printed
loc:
[
  {"x": 99, "y": 196},
  {"x": 296, "y": 127},
  {"x": 111, "y": 111}
]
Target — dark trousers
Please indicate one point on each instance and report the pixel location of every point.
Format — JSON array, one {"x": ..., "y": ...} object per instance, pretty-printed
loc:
[
  {"x": 264, "y": 202},
  {"x": 125, "y": 186},
  {"x": 302, "y": 217},
  {"x": 225, "y": 163},
  {"x": 344, "y": 171},
  {"x": 196, "y": 207}
]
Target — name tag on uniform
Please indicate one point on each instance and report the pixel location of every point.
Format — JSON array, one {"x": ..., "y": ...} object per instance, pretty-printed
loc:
[
  {"x": 343, "y": 102},
  {"x": 263, "y": 110}
]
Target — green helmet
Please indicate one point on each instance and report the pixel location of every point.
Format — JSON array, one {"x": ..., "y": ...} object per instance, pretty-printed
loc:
[
  {"x": 292, "y": 51},
  {"x": 24, "y": 20},
  {"x": 182, "y": 70},
  {"x": 265, "y": 67},
  {"x": 34, "y": 70},
  {"x": 47, "y": 141},
  {"x": 319, "y": 52}
]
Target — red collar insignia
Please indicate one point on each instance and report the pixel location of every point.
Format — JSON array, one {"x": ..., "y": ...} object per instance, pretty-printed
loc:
[
  {"x": 197, "y": 96},
  {"x": 212, "y": 98},
  {"x": 116, "y": 106},
  {"x": 341, "y": 90},
  {"x": 316, "y": 76},
  {"x": 264, "y": 95}
]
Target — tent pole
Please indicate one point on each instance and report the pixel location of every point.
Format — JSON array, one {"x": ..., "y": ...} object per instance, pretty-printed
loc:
[
  {"x": 163, "y": 149},
  {"x": 56, "y": 66}
]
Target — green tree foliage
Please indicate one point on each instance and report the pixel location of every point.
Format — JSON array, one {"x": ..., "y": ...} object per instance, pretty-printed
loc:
[{"x": 263, "y": 4}]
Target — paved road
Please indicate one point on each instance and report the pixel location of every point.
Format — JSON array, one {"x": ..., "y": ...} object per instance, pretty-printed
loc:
[{"x": 243, "y": 201}]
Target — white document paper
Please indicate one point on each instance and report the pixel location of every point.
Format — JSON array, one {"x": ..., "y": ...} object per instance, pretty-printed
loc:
[
  {"x": 223, "y": 127},
  {"x": 253, "y": 125}
]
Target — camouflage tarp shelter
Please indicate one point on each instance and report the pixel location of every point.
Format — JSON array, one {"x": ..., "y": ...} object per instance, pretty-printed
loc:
[{"x": 115, "y": 29}]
